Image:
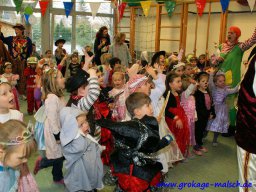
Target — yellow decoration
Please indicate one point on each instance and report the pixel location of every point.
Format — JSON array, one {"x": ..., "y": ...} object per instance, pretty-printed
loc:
[
  {"x": 228, "y": 76},
  {"x": 145, "y": 7}
]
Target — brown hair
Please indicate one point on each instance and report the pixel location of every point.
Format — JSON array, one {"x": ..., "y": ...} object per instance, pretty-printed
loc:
[
  {"x": 215, "y": 77},
  {"x": 169, "y": 79},
  {"x": 49, "y": 84},
  {"x": 135, "y": 101},
  {"x": 118, "y": 38},
  {"x": 13, "y": 129}
]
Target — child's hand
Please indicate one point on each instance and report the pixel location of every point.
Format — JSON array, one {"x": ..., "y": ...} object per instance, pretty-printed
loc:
[
  {"x": 87, "y": 60},
  {"x": 151, "y": 71},
  {"x": 111, "y": 106},
  {"x": 179, "y": 124}
]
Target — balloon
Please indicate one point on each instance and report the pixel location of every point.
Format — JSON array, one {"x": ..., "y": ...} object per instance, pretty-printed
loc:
[
  {"x": 32, "y": 20},
  {"x": 28, "y": 10}
]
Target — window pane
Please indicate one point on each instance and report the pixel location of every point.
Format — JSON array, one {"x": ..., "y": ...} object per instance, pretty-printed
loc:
[
  {"x": 62, "y": 29},
  {"x": 10, "y": 17},
  {"x": 36, "y": 32}
]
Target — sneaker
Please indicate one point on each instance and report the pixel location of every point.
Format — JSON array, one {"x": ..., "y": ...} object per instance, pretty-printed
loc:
[
  {"x": 215, "y": 144},
  {"x": 197, "y": 152},
  {"x": 60, "y": 182},
  {"x": 203, "y": 149},
  {"x": 37, "y": 165}
]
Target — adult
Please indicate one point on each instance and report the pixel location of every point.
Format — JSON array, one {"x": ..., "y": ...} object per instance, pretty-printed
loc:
[
  {"x": 120, "y": 50},
  {"x": 101, "y": 44},
  {"x": 246, "y": 127},
  {"x": 60, "y": 53},
  {"x": 231, "y": 54},
  {"x": 20, "y": 48}
]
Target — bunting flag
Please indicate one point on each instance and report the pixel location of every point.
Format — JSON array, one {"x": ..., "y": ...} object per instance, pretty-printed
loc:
[
  {"x": 18, "y": 4},
  {"x": 26, "y": 18},
  {"x": 251, "y": 4},
  {"x": 121, "y": 9},
  {"x": 94, "y": 8},
  {"x": 68, "y": 7},
  {"x": 200, "y": 4},
  {"x": 224, "y": 5},
  {"x": 43, "y": 6},
  {"x": 170, "y": 6},
  {"x": 145, "y": 7},
  {"x": 28, "y": 10}
]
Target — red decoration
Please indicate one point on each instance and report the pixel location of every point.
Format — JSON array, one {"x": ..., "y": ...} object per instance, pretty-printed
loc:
[
  {"x": 121, "y": 9},
  {"x": 43, "y": 6},
  {"x": 200, "y": 4}
]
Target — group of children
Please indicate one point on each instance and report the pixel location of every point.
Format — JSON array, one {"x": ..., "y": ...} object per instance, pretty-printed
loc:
[{"x": 138, "y": 120}]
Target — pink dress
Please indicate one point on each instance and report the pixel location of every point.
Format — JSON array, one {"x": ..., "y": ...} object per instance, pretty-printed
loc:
[
  {"x": 119, "y": 111},
  {"x": 189, "y": 106}
]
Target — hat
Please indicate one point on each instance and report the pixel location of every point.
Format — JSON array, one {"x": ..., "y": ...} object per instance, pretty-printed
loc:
[
  {"x": 74, "y": 82},
  {"x": 69, "y": 125},
  {"x": 236, "y": 30},
  {"x": 7, "y": 63},
  {"x": 32, "y": 60},
  {"x": 157, "y": 55},
  {"x": 136, "y": 81},
  {"x": 19, "y": 26},
  {"x": 60, "y": 41}
]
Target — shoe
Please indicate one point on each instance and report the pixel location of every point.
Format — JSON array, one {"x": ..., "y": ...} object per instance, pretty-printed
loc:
[
  {"x": 197, "y": 152},
  {"x": 60, "y": 182},
  {"x": 37, "y": 165},
  {"x": 203, "y": 149},
  {"x": 215, "y": 144}
]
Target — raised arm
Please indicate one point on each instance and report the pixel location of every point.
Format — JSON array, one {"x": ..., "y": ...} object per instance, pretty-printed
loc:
[{"x": 249, "y": 42}]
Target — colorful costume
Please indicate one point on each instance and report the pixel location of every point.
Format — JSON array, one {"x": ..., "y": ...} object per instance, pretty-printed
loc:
[
  {"x": 246, "y": 126},
  {"x": 119, "y": 110}
]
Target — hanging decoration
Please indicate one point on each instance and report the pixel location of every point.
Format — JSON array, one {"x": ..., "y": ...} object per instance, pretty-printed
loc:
[
  {"x": 200, "y": 4},
  {"x": 32, "y": 19},
  {"x": 251, "y": 4},
  {"x": 224, "y": 5},
  {"x": 121, "y": 9},
  {"x": 170, "y": 6},
  {"x": 145, "y": 7},
  {"x": 18, "y": 4},
  {"x": 94, "y": 8},
  {"x": 43, "y": 6},
  {"x": 26, "y": 18},
  {"x": 68, "y": 8},
  {"x": 28, "y": 10}
]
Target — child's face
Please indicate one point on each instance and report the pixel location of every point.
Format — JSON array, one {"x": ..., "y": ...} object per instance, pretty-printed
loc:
[
  {"x": 60, "y": 80},
  {"x": 145, "y": 88},
  {"x": 146, "y": 109},
  {"x": 83, "y": 124},
  {"x": 60, "y": 45},
  {"x": 15, "y": 158},
  {"x": 32, "y": 65},
  {"x": 203, "y": 83},
  {"x": 6, "y": 96},
  {"x": 179, "y": 71},
  {"x": 48, "y": 54},
  {"x": 118, "y": 82},
  {"x": 220, "y": 82},
  {"x": 161, "y": 59},
  {"x": 188, "y": 70},
  {"x": 74, "y": 59},
  {"x": 88, "y": 49},
  {"x": 100, "y": 78},
  {"x": 201, "y": 60},
  {"x": 8, "y": 69},
  {"x": 176, "y": 84},
  {"x": 193, "y": 63},
  {"x": 117, "y": 65}
]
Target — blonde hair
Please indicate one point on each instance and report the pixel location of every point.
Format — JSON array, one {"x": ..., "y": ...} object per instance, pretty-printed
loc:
[
  {"x": 118, "y": 38},
  {"x": 14, "y": 129},
  {"x": 118, "y": 74},
  {"x": 49, "y": 84},
  {"x": 104, "y": 59}
]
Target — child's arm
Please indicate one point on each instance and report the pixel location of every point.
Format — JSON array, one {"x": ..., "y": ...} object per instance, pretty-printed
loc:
[
  {"x": 232, "y": 90},
  {"x": 189, "y": 90},
  {"x": 62, "y": 63},
  {"x": 249, "y": 42},
  {"x": 93, "y": 92}
]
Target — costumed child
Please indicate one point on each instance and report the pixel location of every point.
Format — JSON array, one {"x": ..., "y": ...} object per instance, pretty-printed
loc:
[
  {"x": 205, "y": 111},
  {"x": 202, "y": 63},
  {"x": 74, "y": 65},
  {"x": 30, "y": 74},
  {"x": 16, "y": 147},
  {"x": 219, "y": 92},
  {"x": 188, "y": 103},
  {"x": 175, "y": 115},
  {"x": 188, "y": 71},
  {"x": 12, "y": 79},
  {"x": 119, "y": 109},
  {"x": 177, "y": 68},
  {"x": 114, "y": 63},
  {"x": 59, "y": 53},
  {"x": 134, "y": 161},
  {"x": 81, "y": 151},
  {"x": 105, "y": 68}
]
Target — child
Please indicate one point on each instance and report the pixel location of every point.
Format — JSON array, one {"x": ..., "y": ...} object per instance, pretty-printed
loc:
[
  {"x": 219, "y": 92},
  {"x": 15, "y": 148},
  {"x": 194, "y": 61},
  {"x": 202, "y": 62},
  {"x": 105, "y": 68},
  {"x": 59, "y": 53},
  {"x": 88, "y": 50},
  {"x": 137, "y": 141},
  {"x": 188, "y": 103},
  {"x": 178, "y": 68},
  {"x": 12, "y": 79},
  {"x": 188, "y": 71},
  {"x": 114, "y": 63},
  {"x": 175, "y": 115},
  {"x": 74, "y": 66},
  {"x": 205, "y": 111},
  {"x": 82, "y": 152},
  {"x": 30, "y": 73},
  {"x": 119, "y": 110}
]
